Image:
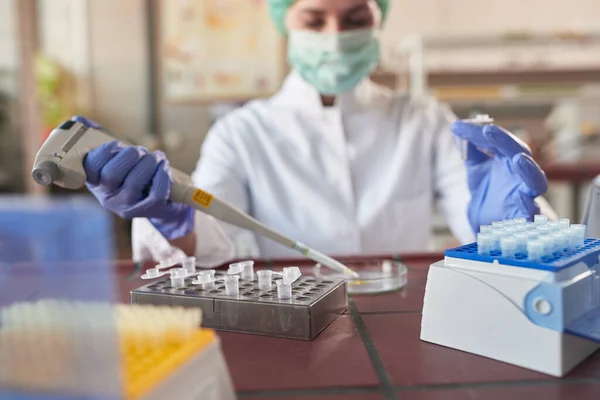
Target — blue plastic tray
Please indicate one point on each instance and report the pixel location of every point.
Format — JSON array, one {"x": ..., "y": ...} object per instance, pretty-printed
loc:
[{"x": 588, "y": 254}]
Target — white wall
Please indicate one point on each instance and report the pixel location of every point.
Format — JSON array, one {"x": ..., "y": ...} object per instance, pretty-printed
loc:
[
  {"x": 478, "y": 17},
  {"x": 64, "y": 35},
  {"x": 119, "y": 65},
  {"x": 103, "y": 44},
  {"x": 444, "y": 17},
  {"x": 10, "y": 148},
  {"x": 8, "y": 46},
  {"x": 108, "y": 43},
  {"x": 8, "y": 49}
]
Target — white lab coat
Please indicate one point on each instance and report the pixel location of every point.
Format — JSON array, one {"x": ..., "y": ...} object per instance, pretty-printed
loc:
[{"x": 357, "y": 178}]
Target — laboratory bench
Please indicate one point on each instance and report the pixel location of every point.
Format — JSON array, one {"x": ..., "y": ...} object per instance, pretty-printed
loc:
[{"x": 373, "y": 352}]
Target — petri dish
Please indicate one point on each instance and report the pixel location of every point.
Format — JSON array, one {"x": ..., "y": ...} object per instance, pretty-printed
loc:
[{"x": 374, "y": 277}]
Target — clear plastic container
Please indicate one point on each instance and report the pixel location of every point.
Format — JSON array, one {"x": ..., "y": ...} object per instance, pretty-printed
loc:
[{"x": 374, "y": 277}]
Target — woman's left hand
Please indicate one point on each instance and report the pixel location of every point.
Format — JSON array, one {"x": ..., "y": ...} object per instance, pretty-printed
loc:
[{"x": 503, "y": 178}]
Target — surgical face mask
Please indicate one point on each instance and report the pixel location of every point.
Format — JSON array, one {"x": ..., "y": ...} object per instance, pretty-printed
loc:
[{"x": 333, "y": 62}]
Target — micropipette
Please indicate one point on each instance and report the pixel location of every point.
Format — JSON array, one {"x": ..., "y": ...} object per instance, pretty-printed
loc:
[{"x": 60, "y": 161}]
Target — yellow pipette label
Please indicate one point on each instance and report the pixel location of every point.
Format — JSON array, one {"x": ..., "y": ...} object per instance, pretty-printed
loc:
[{"x": 203, "y": 198}]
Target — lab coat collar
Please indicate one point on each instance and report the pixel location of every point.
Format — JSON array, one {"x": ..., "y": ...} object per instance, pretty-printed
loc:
[{"x": 296, "y": 92}]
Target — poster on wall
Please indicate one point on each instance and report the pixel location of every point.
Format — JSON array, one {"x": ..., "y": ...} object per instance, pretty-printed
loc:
[{"x": 219, "y": 50}]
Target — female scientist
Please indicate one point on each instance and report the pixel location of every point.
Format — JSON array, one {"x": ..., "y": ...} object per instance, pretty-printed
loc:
[{"x": 332, "y": 160}]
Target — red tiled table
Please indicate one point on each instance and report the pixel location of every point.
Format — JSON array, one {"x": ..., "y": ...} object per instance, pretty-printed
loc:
[{"x": 373, "y": 352}]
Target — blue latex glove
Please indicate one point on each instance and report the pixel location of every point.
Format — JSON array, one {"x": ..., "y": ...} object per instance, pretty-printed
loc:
[
  {"x": 503, "y": 183},
  {"x": 133, "y": 183}
]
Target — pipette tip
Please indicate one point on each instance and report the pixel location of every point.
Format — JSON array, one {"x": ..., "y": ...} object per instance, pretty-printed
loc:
[
  {"x": 324, "y": 260},
  {"x": 330, "y": 262}
]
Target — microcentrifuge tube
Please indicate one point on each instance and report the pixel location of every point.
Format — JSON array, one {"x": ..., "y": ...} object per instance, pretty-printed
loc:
[
  {"x": 232, "y": 285},
  {"x": 579, "y": 233},
  {"x": 547, "y": 245},
  {"x": 544, "y": 230},
  {"x": 521, "y": 238},
  {"x": 569, "y": 245},
  {"x": 485, "y": 229},
  {"x": 496, "y": 237},
  {"x": 532, "y": 235},
  {"x": 204, "y": 277},
  {"x": 520, "y": 228},
  {"x": 499, "y": 229},
  {"x": 291, "y": 275},
  {"x": 235, "y": 269},
  {"x": 484, "y": 243},
  {"x": 189, "y": 264},
  {"x": 535, "y": 250},
  {"x": 508, "y": 246},
  {"x": 247, "y": 270},
  {"x": 575, "y": 237},
  {"x": 264, "y": 279},
  {"x": 179, "y": 272},
  {"x": 153, "y": 273},
  {"x": 480, "y": 119},
  {"x": 178, "y": 276},
  {"x": 462, "y": 145},
  {"x": 540, "y": 219},
  {"x": 560, "y": 241},
  {"x": 520, "y": 221},
  {"x": 177, "y": 281},
  {"x": 564, "y": 223},
  {"x": 554, "y": 225},
  {"x": 571, "y": 237},
  {"x": 167, "y": 263},
  {"x": 284, "y": 291}
]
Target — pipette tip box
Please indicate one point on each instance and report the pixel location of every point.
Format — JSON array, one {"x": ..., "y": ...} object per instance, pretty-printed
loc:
[
  {"x": 541, "y": 314},
  {"x": 314, "y": 304},
  {"x": 173, "y": 360},
  {"x": 173, "y": 372}
]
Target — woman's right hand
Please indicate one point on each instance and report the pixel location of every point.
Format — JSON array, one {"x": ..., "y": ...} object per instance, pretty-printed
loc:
[{"x": 132, "y": 182}]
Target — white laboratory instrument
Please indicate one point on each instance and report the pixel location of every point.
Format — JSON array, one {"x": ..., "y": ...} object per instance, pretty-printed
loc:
[
  {"x": 60, "y": 162},
  {"x": 531, "y": 301}
]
